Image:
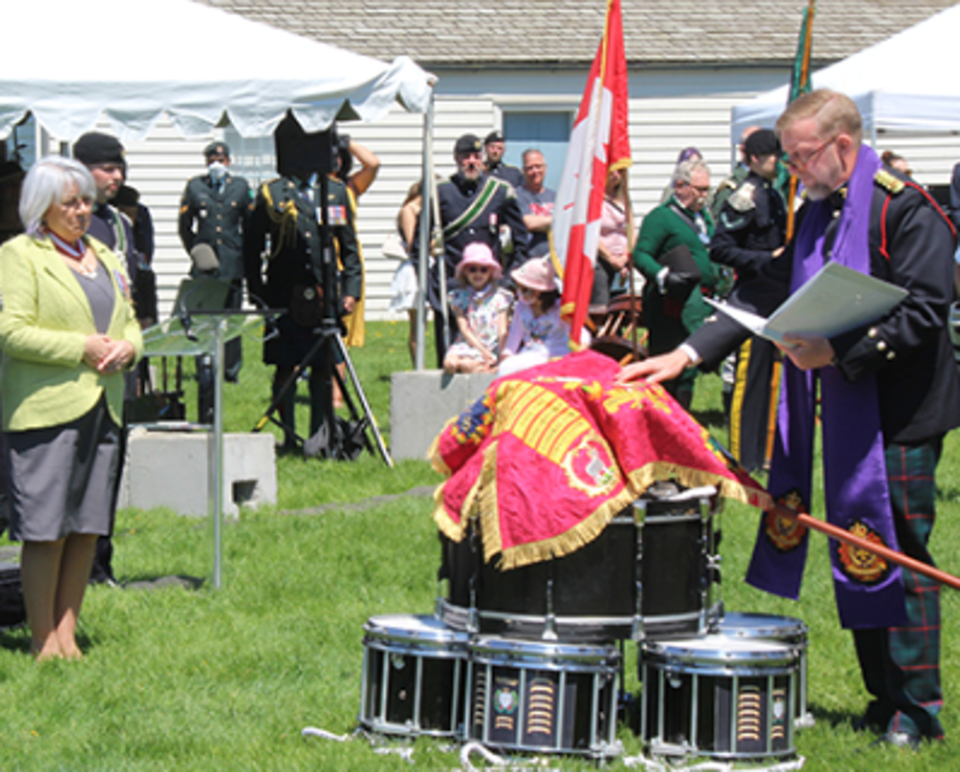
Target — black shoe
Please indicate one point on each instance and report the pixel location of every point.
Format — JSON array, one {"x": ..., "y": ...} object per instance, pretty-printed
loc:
[{"x": 876, "y": 718}]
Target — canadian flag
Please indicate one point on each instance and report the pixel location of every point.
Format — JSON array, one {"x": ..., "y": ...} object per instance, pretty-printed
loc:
[{"x": 600, "y": 142}]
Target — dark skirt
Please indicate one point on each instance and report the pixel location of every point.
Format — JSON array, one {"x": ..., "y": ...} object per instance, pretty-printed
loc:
[{"x": 62, "y": 478}]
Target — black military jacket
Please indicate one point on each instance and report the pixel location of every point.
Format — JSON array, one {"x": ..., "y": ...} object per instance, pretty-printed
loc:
[
  {"x": 909, "y": 351},
  {"x": 286, "y": 220},
  {"x": 218, "y": 218},
  {"x": 750, "y": 227},
  {"x": 474, "y": 211}
]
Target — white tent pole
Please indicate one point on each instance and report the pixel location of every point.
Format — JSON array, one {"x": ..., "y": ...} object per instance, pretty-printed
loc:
[{"x": 426, "y": 195}]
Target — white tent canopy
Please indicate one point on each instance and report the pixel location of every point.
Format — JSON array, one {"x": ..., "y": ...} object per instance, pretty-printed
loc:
[
  {"x": 132, "y": 61},
  {"x": 906, "y": 83}
]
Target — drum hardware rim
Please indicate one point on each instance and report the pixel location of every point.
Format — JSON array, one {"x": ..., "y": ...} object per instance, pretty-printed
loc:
[
  {"x": 460, "y": 653},
  {"x": 793, "y": 626},
  {"x": 563, "y": 621},
  {"x": 685, "y": 517},
  {"x": 608, "y": 664}
]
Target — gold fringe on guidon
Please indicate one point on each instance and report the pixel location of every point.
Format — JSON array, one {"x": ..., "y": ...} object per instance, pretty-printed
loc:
[
  {"x": 645, "y": 476},
  {"x": 482, "y": 502},
  {"x": 524, "y": 554}
]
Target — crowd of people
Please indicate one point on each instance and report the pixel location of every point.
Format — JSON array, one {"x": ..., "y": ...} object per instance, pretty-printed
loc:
[{"x": 76, "y": 285}]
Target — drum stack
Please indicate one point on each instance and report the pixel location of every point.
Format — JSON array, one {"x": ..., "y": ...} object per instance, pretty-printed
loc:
[{"x": 527, "y": 660}]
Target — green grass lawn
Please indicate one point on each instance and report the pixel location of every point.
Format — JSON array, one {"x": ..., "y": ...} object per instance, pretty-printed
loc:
[{"x": 177, "y": 679}]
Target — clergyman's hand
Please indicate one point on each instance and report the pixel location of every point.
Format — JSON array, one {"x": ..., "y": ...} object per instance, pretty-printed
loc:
[
  {"x": 808, "y": 352},
  {"x": 665, "y": 367}
]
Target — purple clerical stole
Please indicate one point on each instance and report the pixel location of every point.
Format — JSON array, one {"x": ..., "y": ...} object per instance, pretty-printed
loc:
[{"x": 869, "y": 590}]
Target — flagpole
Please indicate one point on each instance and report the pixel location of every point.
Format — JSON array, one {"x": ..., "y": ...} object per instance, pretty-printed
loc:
[{"x": 800, "y": 83}]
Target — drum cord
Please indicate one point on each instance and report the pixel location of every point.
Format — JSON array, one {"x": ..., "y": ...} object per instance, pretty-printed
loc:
[
  {"x": 709, "y": 766},
  {"x": 474, "y": 747},
  {"x": 405, "y": 753}
]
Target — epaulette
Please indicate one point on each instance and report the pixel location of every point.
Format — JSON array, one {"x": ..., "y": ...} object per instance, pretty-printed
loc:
[
  {"x": 742, "y": 200},
  {"x": 888, "y": 181}
]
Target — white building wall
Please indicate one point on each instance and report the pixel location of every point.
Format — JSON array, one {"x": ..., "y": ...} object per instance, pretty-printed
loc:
[{"x": 669, "y": 110}]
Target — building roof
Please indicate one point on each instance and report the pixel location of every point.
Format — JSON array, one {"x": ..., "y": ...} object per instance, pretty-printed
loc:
[{"x": 660, "y": 33}]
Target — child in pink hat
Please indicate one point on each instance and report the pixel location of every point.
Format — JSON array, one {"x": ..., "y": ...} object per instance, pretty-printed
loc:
[
  {"x": 480, "y": 307},
  {"x": 537, "y": 333}
]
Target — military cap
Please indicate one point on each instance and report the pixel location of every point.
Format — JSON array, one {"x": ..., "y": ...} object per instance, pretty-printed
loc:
[
  {"x": 761, "y": 142},
  {"x": 494, "y": 136},
  {"x": 468, "y": 143},
  {"x": 204, "y": 258},
  {"x": 95, "y": 148},
  {"x": 216, "y": 148}
]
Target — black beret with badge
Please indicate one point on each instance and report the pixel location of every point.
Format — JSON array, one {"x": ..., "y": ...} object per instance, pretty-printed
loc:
[{"x": 468, "y": 143}]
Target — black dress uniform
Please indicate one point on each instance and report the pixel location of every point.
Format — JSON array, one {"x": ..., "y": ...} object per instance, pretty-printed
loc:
[
  {"x": 909, "y": 353},
  {"x": 471, "y": 210},
  {"x": 285, "y": 213},
  {"x": 506, "y": 172},
  {"x": 751, "y": 225},
  {"x": 217, "y": 214}
]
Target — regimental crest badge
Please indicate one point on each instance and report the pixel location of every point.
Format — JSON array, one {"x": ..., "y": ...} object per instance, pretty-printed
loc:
[
  {"x": 590, "y": 468},
  {"x": 860, "y": 564},
  {"x": 474, "y": 424},
  {"x": 784, "y": 532}
]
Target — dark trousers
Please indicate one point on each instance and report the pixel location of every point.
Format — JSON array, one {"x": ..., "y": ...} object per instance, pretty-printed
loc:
[
  {"x": 232, "y": 361},
  {"x": 444, "y": 334},
  {"x": 753, "y": 403},
  {"x": 901, "y": 665}
]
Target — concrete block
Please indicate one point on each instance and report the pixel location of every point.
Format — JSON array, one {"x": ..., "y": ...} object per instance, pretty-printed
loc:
[
  {"x": 422, "y": 402},
  {"x": 169, "y": 469}
]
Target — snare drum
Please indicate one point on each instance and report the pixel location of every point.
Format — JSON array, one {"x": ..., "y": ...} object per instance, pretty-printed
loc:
[
  {"x": 678, "y": 561},
  {"x": 543, "y": 697},
  {"x": 793, "y": 632},
  {"x": 414, "y": 676},
  {"x": 719, "y": 697},
  {"x": 589, "y": 595}
]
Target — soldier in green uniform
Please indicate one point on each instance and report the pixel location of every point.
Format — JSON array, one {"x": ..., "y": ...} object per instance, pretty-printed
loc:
[
  {"x": 673, "y": 299},
  {"x": 214, "y": 210},
  {"x": 290, "y": 276}
]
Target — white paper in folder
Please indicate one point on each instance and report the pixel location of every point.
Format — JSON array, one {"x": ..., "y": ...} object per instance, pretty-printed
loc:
[{"x": 836, "y": 300}]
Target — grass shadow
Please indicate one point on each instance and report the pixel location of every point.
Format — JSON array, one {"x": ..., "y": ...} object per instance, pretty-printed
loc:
[
  {"x": 832, "y": 717},
  {"x": 150, "y": 582},
  {"x": 710, "y": 417}
]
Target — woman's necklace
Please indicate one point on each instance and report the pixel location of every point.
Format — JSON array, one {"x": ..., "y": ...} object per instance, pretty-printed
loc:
[{"x": 75, "y": 252}]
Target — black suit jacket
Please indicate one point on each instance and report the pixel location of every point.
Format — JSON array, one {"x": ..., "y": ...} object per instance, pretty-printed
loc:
[{"x": 909, "y": 351}]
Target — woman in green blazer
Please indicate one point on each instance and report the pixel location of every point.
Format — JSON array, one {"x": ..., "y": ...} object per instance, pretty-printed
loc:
[{"x": 67, "y": 331}]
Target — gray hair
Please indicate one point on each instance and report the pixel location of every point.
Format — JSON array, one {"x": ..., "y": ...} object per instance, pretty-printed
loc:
[
  {"x": 47, "y": 182},
  {"x": 685, "y": 169}
]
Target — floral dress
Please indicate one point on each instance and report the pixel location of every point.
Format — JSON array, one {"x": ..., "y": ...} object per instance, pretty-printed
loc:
[{"x": 482, "y": 309}]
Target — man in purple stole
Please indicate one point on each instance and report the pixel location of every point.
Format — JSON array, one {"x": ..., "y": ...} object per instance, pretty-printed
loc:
[{"x": 889, "y": 391}]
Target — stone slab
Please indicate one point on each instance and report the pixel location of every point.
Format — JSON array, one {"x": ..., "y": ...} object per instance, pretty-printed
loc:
[
  {"x": 169, "y": 469},
  {"x": 421, "y": 402}
]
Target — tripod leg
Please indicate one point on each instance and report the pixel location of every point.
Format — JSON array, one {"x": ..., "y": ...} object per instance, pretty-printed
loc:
[
  {"x": 285, "y": 400},
  {"x": 368, "y": 413}
]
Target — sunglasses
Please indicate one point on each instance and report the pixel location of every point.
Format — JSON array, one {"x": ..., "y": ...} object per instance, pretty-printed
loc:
[{"x": 477, "y": 269}]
